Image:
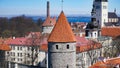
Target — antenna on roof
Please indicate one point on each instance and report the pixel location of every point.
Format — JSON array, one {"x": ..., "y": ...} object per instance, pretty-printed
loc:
[{"x": 62, "y": 4}]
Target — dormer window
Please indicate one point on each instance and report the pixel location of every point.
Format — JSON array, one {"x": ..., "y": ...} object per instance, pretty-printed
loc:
[
  {"x": 68, "y": 47},
  {"x": 50, "y": 22}
]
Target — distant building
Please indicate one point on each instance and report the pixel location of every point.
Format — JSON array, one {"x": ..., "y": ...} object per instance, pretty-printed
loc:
[
  {"x": 24, "y": 50},
  {"x": 113, "y": 19},
  {"x": 61, "y": 45},
  {"x": 78, "y": 28},
  {"x": 3, "y": 48},
  {"x": 107, "y": 63},
  {"x": 100, "y": 17},
  {"x": 49, "y": 23},
  {"x": 88, "y": 52}
]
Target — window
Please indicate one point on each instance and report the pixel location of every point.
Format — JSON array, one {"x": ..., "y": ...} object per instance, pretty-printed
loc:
[
  {"x": 97, "y": 7},
  {"x": 50, "y": 65},
  {"x": 95, "y": 35},
  {"x": 67, "y": 66},
  {"x": 7, "y": 52},
  {"x": 18, "y": 59},
  {"x": 20, "y": 54},
  {"x": 50, "y": 22},
  {"x": 20, "y": 48},
  {"x": 56, "y": 46},
  {"x": 91, "y": 34},
  {"x": 13, "y": 54},
  {"x": 29, "y": 48},
  {"x": 67, "y": 46},
  {"x": 28, "y": 55},
  {"x": 13, "y": 47},
  {"x": 14, "y": 59},
  {"x": 104, "y": 7}
]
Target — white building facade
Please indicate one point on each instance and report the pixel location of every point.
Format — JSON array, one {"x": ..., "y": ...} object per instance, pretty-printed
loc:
[{"x": 87, "y": 58}]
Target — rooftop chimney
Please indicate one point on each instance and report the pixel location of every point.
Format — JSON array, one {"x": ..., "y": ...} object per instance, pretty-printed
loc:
[{"x": 48, "y": 9}]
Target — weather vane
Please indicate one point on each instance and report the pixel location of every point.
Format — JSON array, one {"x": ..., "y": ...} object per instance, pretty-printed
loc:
[{"x": 62, "y": 4}]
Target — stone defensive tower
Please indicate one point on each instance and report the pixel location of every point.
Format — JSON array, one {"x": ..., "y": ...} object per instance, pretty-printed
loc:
[
  {"x": 61, "y": 45},
  {"x": 49, "y": 22}
]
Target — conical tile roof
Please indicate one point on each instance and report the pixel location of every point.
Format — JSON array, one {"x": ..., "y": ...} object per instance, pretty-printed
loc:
[
  {"x": 62, "y": 31},
  {"x": 49, "y": 21}
]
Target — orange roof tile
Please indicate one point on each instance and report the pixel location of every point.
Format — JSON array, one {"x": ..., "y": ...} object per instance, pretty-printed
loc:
[
  {"x": 110, "y": 31},
  {"x": 44, "y": 47},
  {"x": 107, "y": 64},
  {"x": 5, "y": 47},
  {"x": 62, "y": 31},
  {"x": 49, "y": 21}
]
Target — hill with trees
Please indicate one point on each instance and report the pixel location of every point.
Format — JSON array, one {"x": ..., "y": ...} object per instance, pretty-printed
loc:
[{"x": 18, "y": 26}]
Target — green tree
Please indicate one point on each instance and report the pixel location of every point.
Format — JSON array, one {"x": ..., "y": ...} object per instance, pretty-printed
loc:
[
  {"x": 6, "y": 33},
  {"x": 39, "y": 23}
]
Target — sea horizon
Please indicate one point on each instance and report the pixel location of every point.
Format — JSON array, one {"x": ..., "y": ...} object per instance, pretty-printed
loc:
[{"x": 71, "y": 18}]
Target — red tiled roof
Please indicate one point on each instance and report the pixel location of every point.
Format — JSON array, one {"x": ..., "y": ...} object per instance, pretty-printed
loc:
[
  {"x": 23, "y": 41},
  {"x": 34, "y": 34},
  {"x": 81, "y": 41},
  {"x": 5, "y": 47},
  {"x": 49, "y": 21},
  {"x": 110, "y": 31},
  {"x": 83, "y": 44},
  {"x": 88, "y": 46},
  {"x": 107, "y": 64},
  {"x": 62, "y": 31}
]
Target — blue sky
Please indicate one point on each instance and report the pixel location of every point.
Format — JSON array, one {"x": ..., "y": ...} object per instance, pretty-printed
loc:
[{"x": 38, "y": 7}]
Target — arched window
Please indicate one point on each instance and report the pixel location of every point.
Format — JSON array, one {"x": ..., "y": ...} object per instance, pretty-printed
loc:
[
  {"x": 68, "y": 46},
  {"x": 56, "y": 46}
]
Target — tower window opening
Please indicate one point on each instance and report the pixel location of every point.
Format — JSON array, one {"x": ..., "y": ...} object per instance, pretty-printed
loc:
[
  {"x": 68, "y": 47},
  {"x": 67, "y": 66},
  {"x": 56, "y": 46},
  {"x": 51, "y": 66}
]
